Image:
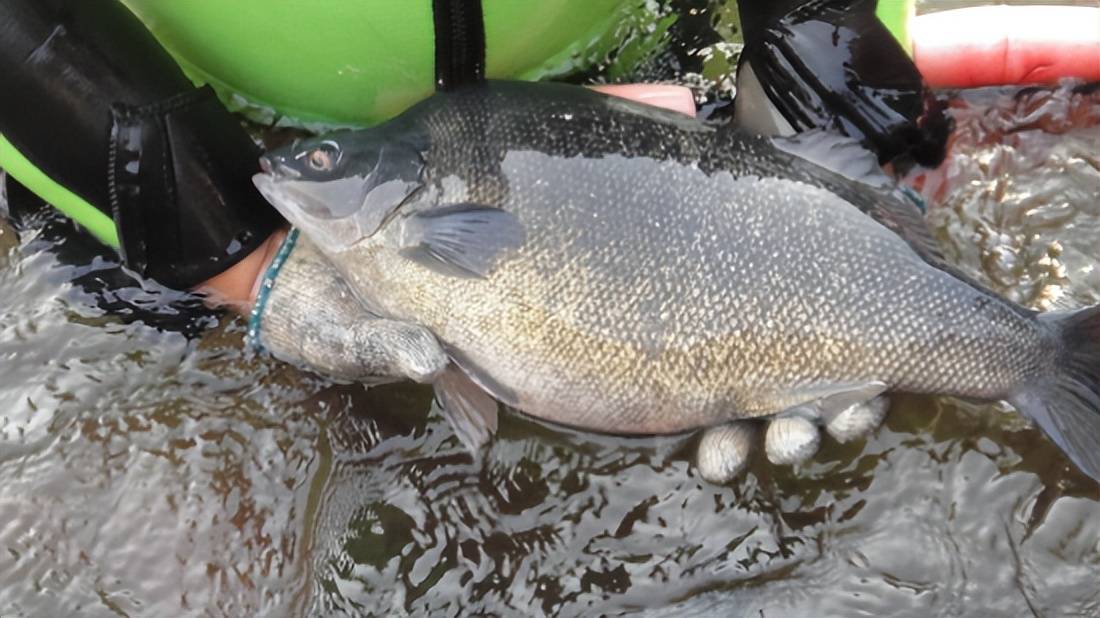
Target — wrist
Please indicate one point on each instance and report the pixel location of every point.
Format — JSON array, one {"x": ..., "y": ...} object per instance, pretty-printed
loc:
[{"x": 236, "y": 287}]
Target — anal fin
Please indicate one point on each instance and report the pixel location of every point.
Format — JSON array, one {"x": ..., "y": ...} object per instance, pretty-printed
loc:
[{"x": 823, "y": 403}]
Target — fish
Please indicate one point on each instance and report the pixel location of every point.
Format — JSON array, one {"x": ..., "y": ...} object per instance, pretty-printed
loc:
[{"x": 603, "y": 264}]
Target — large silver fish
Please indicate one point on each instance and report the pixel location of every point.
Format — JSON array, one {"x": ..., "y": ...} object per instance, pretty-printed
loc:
[{"x": 615, "y": 267}]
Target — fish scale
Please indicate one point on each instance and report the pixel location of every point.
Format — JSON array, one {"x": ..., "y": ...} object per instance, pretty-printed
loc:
[{"x": 602, "y": 264}]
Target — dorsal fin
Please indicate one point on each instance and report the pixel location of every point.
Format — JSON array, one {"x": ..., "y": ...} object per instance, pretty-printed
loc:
[
  {"x": 845, "y": 167},
  {"x": 753, "y": 110}
]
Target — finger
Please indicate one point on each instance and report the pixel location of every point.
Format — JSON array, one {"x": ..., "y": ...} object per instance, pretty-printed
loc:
[
  {"x": 1001, "y": 45},
  {"x": 724, "y": 451},
  {"x": 859, "y": 419},
  {"x": 791, "y": 440},
  {"x": 675, "y": 98}
]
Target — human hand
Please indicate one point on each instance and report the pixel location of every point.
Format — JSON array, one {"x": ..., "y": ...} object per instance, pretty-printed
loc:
[
  {"x": 676, "y": 98},
  {"x": 304, "y": 313}
]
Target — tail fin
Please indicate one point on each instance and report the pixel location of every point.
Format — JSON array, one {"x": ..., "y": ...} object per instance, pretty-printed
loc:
[{"x": 1067, "y": 404}]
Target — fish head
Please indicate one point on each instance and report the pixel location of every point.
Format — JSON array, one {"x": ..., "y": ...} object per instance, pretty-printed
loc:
[{"x": 339, "y": 189}]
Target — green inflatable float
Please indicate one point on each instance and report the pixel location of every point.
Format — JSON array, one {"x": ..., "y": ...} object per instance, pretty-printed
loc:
[
  {"x": 324, "y": 63},
  {"x": 358, "y": 62}
]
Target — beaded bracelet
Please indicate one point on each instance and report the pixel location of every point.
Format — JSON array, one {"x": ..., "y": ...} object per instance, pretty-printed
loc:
[{"x": 268, "y": 282}]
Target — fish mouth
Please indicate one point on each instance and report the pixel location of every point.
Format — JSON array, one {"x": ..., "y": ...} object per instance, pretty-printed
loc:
[
  {"x": 300, "y": 207},
  {"x": 265, "y": 184},
  {"x": 296, "y": 200},
  {"x": 268, "y": 186},
  {"x": 268, "y": 182}
]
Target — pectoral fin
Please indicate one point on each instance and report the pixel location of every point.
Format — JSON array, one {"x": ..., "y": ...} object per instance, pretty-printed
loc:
[
  {"x": 463, "y": 240},
  {"x": 471, "y": 412}
]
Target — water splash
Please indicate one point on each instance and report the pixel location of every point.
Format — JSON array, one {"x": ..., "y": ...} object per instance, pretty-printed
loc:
[{"x": 1018, "y": 204}]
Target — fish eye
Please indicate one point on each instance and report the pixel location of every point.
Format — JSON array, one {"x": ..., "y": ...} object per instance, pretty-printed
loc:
[{"x": 324, "y": 157}]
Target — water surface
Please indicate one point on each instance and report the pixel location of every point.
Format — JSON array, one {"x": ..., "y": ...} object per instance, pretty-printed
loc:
[{"x": 150, "y": 465}]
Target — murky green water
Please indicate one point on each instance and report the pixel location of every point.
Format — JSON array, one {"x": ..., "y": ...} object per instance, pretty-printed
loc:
[{"x": 146, "y": 473}]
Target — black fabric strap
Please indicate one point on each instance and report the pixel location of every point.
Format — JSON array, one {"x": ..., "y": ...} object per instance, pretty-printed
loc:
[{"x": 459, "y": 43}]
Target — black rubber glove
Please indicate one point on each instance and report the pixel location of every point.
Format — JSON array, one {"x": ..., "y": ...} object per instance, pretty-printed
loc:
[{"x": 93, "y": 101}]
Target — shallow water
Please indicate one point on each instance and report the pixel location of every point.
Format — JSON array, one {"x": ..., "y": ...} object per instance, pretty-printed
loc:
[{"x": 146, "y": 472}]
